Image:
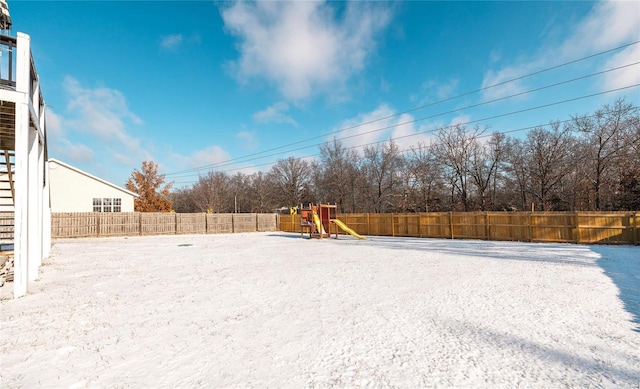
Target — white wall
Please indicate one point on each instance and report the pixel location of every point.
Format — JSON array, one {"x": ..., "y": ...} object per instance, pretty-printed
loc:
[{"x": 72, "y": 191}]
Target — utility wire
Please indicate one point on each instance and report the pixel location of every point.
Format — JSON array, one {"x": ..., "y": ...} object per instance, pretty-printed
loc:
[
  {"x": 434, "y": 130},
  {"x": 403, "y": 151},
  {"x": 423, "y": 147},
  {"x": 227, "y": 163},
  {"x": 246, "y": 159},
  {"x": 243, "y": 159}
]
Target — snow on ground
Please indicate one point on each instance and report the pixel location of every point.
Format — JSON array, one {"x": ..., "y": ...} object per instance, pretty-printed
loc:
[{"x": 275, "y": 310}]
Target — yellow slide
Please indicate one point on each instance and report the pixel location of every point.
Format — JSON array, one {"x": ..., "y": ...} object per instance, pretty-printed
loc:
[
  {"x": 319, "y": 226},
  {"x": 346, "y": 229}
]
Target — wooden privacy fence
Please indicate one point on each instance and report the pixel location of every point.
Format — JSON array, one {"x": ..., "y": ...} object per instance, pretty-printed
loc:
[
  {"x": 93, "y": 224},
  {"x": 569, "y": 227}
]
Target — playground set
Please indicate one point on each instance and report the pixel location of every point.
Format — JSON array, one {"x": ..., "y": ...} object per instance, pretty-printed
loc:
[{"x": 320, "y": 220}]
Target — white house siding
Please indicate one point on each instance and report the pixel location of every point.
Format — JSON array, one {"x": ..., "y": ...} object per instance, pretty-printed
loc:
[{"x": 73, "y": 190}]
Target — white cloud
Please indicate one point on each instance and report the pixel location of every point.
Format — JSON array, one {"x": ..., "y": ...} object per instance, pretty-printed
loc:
[
  {"x": 303, "y": 47},
  {"x": 72, "y": 152},
  {"x": 102, "y": 112},
  {"x": 626, "y": 76},
  {"x": 608, "y": 24},
  {"x": 497, "y": 83},
  {"x": 96, "y": 125},
  {"x": 460, "y": 120},
  {"x": 212, "y": 155},
  {"x": 275, "y": 113},
  {"x": 433, "y": 90},
  {"x": 54, "y": 123},
  {"x": 171, "y": 42},
  {"x": 248, "y": 140},
  {"x": 385, "y": 85},
  {"x": 382, "y": 124}
]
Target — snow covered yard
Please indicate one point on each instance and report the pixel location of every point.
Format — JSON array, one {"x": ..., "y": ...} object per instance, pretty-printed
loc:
[{"x": 274, "y": 310}]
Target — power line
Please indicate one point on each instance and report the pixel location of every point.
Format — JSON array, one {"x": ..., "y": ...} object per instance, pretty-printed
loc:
[
  {"x": 403, "y": 151},
  {"x": 244, "y": 158},
  {"x": 434, "y": 130}
]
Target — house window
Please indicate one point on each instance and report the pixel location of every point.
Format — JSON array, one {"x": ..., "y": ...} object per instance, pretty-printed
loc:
[{"x": 106, "y": 205}]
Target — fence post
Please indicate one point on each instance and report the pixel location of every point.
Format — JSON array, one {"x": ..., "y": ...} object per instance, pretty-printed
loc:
[
  {"x": 140, "y": 222},
  {"x": 420, "y": 224},
  {"x": 233, "y": 223},
  {"x": 368, "y": 225},
  {"x": 393, "y": 227},
  {"x": 97, "y": 224},
  {"x": 531, "y": 226},
  {"x": 487, "y": 231},
  {"x": 257, "y": 224},
  {"x": 576, "y": 230},
  {"x": 451, "y": 224}
]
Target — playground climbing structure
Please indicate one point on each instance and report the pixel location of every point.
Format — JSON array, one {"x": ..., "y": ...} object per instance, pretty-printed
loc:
[{"x": 321, "y": 221}]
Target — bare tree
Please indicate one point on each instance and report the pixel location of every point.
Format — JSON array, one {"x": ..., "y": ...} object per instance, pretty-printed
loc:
[
  {"x": 484, "y": 165},
  {"x": 183, "y": 201},
  {"x": 517, "y": 169},
  {"x": 628, "y": 187},
  {"x": 292, "y": 178},
  {"x": 261, "y": 188},
  {"x": 605, "y": 144},
  {"x": 427, "y": 178},
  {"x": 337, "y": 170},
  {"x": 210, "y": 193},
  {"x": 550, "y": 157},
  {"x": 381, "y": 165},
  {"x": 455, "y": 152},
  {"x": 239, "y": 194}
]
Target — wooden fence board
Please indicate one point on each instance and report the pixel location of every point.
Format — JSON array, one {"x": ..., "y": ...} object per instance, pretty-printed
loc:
[
  {"x": 613, "y": 228},
  {"x": 435, "y": 225},
  {"x": 6, "y": 227},
  {"x": 469, "y": 225},
  {"x": 157, "y": 223},
  {"x": 580, "y": 227},
  {"x": 571, "y": 227},
  {"x": 290, "y": 223},
  {"x": 244, "y": 222},
  {"x": 381, "y": 224},
  {"x": 554, "y": 227},
  {"x": 267, "y": 222},
  {"x": 74, "y": 225},
  {"x": 356, "y": 221},
  {"x": 221, "y": 223},
  {"x": 191, "y": 223},
  {"x": 509, "y": 226},
  {"x": 118, "y": 224},
  {"x": 406, "y": 224}
]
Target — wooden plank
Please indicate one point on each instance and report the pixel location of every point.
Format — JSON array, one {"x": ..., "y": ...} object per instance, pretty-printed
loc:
[
  {"x": 157, "y": 223},
  {"x": 194, "y": 223},
  {"x": 119, "y": 223},
  {"x": 219, "y": 223}
]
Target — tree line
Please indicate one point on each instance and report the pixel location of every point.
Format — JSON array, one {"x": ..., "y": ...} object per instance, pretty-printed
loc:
[{"x": 588, "y": 162}]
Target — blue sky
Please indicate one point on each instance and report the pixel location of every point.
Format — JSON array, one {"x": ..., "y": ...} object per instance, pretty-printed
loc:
[{"x": 211, "y": 85}]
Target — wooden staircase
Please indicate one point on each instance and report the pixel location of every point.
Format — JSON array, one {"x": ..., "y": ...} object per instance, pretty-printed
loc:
[{"x": 7, "y": 199}]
